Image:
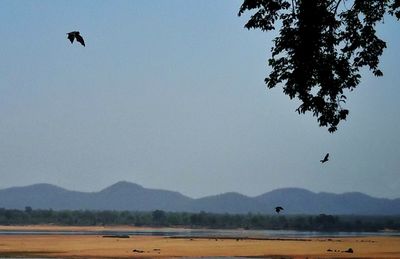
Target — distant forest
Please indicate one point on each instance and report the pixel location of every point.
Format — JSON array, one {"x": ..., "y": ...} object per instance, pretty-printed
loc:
[{"x": 161, "y": 218}]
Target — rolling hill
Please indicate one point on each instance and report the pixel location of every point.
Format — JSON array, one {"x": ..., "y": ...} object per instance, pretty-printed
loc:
[{"x": 130, "y": 196}]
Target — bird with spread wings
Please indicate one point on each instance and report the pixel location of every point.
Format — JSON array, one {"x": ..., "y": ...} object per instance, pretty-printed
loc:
[
  {"x": 278, "y": 209},
  {"x": 326, "y": 158},
  {"x": 75, "y": 35}
]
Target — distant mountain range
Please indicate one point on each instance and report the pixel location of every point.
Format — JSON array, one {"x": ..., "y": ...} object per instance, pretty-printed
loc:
[{"x": 130, "y": 196}]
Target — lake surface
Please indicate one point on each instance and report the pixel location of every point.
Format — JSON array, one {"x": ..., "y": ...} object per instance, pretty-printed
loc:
[{"x": 205, "y": 233}]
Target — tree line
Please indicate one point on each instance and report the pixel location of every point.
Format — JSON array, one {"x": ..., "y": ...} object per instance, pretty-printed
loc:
[{"x": 160, "y": 218}]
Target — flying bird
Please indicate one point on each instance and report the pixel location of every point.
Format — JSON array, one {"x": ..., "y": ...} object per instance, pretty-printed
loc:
[
  {"x": 326, "y": 158},
  {"x": 278, "y": 209},
  {"x": 75, "y": 35}
]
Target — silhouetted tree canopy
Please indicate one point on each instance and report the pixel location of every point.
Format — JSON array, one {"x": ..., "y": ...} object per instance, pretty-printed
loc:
[
  {"x": 202, "y": 219},
  {"x": 320, "y": 49}
]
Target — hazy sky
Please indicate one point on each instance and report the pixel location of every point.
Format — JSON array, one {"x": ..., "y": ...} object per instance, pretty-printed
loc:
[{"x": 170, "y": 95}]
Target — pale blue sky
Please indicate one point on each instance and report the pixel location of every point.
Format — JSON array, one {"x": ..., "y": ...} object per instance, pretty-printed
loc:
[{"x": 170, "y": 94}]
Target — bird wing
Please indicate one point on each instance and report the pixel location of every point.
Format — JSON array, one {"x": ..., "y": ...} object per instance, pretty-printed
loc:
[
  {"x": 80, "y": 39},
  {"x": 71, "y": 37},
  {"x": 326, "y": 156}
]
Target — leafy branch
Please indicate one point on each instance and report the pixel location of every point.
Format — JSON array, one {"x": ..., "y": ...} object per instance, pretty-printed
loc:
[{"x": 320, "y": 49}]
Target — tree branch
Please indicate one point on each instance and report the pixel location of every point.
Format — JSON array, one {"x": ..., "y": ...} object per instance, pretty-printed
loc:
[
  {"x": 293, "y": 7},
  {"x": 337, "y": 6}
]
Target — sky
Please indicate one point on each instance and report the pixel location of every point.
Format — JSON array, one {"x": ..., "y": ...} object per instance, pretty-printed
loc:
[{"x": 171, "y": 95}]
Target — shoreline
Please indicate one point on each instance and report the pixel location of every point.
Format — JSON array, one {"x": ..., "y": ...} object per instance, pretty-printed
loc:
[
  {"x": 146, "y": 246},
  {"x": 62, "y": 228},
  {"x": 48, "y": 227}
]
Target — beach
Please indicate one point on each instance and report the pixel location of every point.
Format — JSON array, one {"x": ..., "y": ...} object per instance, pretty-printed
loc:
[{"x": 98, "y": 246}]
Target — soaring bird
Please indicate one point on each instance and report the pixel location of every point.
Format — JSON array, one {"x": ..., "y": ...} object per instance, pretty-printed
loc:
[
  {"x": 326, "y": 158},
  {"x": 278, "y": 209},
  {"x": 75, "y": 35}
]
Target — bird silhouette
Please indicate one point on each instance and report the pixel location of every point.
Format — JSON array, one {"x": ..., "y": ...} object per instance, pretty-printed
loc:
[
  {"x": 75, "y": 35},
  {"x": 278, "y": 209},
  {"x": 326, "y": 158}
]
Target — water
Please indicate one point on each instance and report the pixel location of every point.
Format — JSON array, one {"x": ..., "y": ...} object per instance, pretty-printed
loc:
[{"x": 206, "y": 233}]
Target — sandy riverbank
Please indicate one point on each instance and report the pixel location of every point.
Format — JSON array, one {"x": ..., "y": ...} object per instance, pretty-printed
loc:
[{"x": 80, "y": 246}]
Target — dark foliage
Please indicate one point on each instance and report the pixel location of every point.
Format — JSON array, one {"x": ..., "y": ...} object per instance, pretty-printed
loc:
[
  {"x": 161, "y": 218},
  {"x": 320, "y": 49}
]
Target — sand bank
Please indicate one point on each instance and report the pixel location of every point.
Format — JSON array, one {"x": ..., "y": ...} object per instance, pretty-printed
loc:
[{"x": 92, "y": 246}]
